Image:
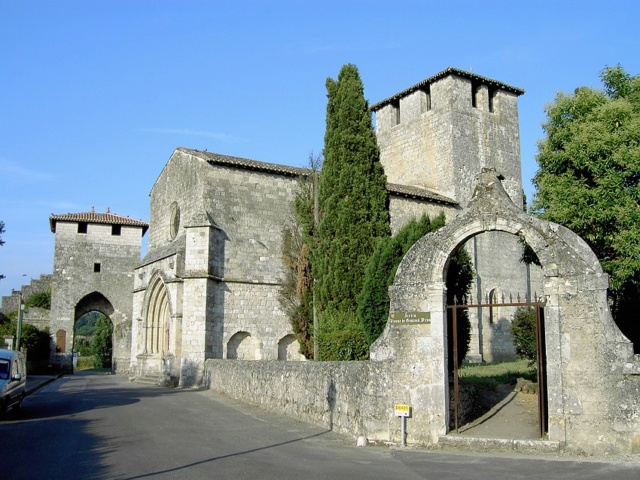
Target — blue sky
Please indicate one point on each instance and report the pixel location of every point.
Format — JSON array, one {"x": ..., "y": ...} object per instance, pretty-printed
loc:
[{"x": 96, "y": 94}]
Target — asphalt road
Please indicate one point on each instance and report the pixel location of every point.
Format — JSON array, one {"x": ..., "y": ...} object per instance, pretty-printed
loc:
[{"x": 103, "y": 427}]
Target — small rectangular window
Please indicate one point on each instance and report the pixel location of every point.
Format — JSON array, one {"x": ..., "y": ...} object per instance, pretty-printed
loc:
[
  {"x": 425, "y": 98},
  {"x": 395, "y": 106},
  {"x": 96, "y": 267},
  {"x": 116, "y": 230},
  {"x": 82, "y": 227},
  {"x": 475, "y": 92}
]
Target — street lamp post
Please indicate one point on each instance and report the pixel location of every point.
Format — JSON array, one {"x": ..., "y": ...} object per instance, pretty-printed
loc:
[{"x": 20, "y": 314}]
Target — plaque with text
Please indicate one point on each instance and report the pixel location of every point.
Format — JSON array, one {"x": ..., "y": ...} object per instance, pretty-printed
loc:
[{"x": 410, "y": 318}]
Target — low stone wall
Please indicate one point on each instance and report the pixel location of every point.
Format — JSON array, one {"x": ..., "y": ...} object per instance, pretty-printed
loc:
[{"x": 342, "y": 396}]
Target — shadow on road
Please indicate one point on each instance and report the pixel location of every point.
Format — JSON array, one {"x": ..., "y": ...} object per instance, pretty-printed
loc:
[
  {"x": 67, "y": 447},
  {"x": 223, "y": 457},
  {"x": 74, "y": 398}
]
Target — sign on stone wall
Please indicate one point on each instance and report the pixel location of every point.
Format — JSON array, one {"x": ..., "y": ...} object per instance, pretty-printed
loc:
[{"x": 410, "y": 318}]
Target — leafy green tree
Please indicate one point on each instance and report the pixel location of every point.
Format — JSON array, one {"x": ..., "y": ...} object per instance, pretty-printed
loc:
[
  {"x": 82, "y": 346},
  {"x": 523, "y": 332},
  {"x": 101, "y": 345},
  {"x": 354, "y": 203},
  {"x": 588, "y": 180},
  {"x": 9, "y": 324},
  {"x": 35, "y": 341},
  {"x": 373, "y": 301},
  {"x": 459, "y": 280},
  {"x": 86, "y": 324}
]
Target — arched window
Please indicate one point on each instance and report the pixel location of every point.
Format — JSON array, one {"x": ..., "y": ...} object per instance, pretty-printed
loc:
[{"x": 158, "y": 320}]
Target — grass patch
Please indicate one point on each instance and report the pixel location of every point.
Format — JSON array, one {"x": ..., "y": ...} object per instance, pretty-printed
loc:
[
  {"x": 84, "y": 363},
  {"x": 494, "y": 374}
]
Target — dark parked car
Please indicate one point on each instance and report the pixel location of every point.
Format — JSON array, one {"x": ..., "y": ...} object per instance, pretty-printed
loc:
[{"x": 13, "y": 379}]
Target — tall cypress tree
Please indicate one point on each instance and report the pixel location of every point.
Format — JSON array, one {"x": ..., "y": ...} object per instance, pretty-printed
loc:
[{"x": 353, "y": 198}]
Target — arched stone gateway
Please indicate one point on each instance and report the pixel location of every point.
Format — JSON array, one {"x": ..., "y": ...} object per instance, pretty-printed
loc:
[
  {"x": 64, "y": 334},
  {"x": 592, "y": 375},
  {"x": 94, "y": 258}
]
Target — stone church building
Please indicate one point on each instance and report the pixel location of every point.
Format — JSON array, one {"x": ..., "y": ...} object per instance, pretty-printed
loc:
[
  {"x": 208, "y": 286},
  {"x": 207, "y": 289}
]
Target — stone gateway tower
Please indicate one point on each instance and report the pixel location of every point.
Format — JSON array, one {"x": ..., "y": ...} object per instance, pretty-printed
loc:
[{"x": 94, "y": 259}]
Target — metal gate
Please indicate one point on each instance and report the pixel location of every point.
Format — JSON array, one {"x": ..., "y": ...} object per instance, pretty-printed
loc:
[{"x": 541, "y": 357}]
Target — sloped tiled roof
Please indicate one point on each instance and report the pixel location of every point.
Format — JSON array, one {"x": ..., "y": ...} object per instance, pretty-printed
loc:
[
  {"x": 442, "y": 74},
  {"x": 218, "y": 159},
  {"x": 94, "y": 217},
  {"x": 416, "y": 192}
]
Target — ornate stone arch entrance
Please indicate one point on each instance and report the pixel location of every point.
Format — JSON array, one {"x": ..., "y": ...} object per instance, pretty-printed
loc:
[
  {"x": 158, "y": 334},
  {"x": 589, "y": 361},
  {"x": 157, "y": 321}
]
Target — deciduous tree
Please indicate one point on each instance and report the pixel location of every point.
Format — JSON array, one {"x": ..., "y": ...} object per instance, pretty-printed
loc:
[{"x": 588, "y": 180}]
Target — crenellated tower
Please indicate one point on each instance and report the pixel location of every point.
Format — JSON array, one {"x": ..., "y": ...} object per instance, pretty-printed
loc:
[{"x": 440, "y": 133}]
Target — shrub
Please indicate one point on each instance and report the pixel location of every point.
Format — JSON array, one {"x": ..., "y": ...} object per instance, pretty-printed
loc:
[
  {"x": 373, "y": 301},
  {"x": 36, "y": 342},
  {"x": 341, "y": 337},
  {"x": 39, "y": 299},
  {"x": 524, "y": 333},
  {"x": 101, "y": 345}
]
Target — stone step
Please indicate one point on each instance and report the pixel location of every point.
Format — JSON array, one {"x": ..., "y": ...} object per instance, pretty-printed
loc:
[
  {"x": 499, "y": 444},
  {"x": 152, "y": 380}
]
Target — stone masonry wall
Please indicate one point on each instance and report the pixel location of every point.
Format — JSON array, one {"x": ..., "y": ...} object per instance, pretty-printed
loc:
[
  {"x": 38, "y": 317},
  {"x": 440, "y": 137},
  {"x": 347, "y": 397},
  {"x": 402, "y": 210},
  {"x": 495, "y": 258},
  {"x": 254, "y": 309}
]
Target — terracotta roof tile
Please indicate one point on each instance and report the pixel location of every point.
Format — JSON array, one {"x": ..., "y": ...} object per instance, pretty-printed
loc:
[{"x": 94, "y": 217}]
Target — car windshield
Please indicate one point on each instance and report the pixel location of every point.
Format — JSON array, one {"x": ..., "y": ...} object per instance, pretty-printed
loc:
[{"x": 4, "y": 369}]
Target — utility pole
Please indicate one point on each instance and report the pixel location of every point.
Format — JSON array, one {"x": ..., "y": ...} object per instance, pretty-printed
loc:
[{"x": 20, "y": 313}]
